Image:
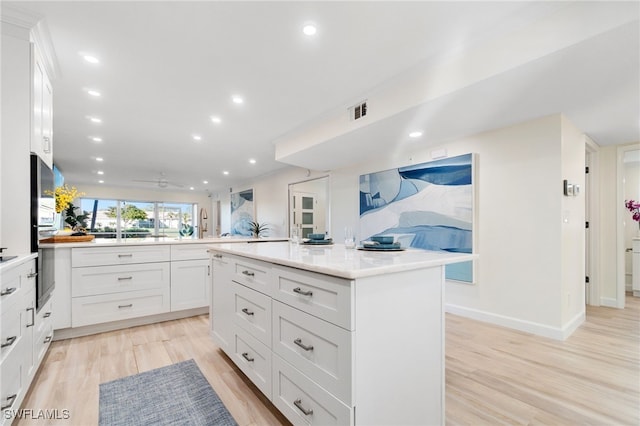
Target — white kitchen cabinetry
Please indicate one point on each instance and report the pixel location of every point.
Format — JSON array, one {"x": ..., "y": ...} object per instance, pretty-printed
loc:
[
  {"x": 339, "y": 323},
  {"x": 118, "y": 283},
  {"x": 42, "y": 122},
  {"x": 190, "y": 276},
  {"x": 21, "y": 352}
]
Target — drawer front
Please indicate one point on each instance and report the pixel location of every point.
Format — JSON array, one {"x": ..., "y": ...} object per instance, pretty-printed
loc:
[
  {"x": 93, "y": 281},
  {"x": 189, "y": 251},
  {"x": 252, "y": 273},
  {"x": 11, "y": 386},
  {"x": 43, "y": 340},
  {"x": 254, "y": 359},
  {"x": 11, "y": 330},
  {"x": 319, "y": 349},
  {"x": 118, "y": 306},
  {"x": 326, "y": 297},
  {"x": 304, "y": 402},
  {"x": 44, "y": 317},
  {"x": 11, "y": 287},
  {"x": 252, "y": 312},
  {"x": 101, "y": 256}
]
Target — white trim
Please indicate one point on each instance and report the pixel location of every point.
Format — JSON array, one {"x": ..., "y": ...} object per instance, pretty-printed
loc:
[
  {"x": 593, "y": 162},
  {"x": 42, "y": 39},
  {"x": 608, "y": 302},
  {"x": 557, "y": 333}
]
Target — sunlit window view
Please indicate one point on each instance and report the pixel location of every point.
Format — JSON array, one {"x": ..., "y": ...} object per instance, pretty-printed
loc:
[{"x": 138, "y": 219}]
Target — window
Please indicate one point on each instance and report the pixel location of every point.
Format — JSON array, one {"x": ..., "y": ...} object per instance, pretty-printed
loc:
[{"x": 139, "y": 219}]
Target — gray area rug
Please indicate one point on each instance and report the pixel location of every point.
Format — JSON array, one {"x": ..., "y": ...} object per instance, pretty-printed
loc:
[{"x": 177, "y": 394}]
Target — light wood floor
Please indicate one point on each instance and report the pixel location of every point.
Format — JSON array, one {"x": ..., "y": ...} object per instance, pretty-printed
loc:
[{"x": 493, "y": 375}]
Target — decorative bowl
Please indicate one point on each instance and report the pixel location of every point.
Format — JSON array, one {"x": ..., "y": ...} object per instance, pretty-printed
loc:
[
  {"x": 383, "y": 239},
  {"x": 316, "y": 236}
]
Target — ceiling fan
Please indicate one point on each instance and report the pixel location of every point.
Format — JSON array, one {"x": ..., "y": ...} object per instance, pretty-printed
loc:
[{"x": 162, "y": 182}]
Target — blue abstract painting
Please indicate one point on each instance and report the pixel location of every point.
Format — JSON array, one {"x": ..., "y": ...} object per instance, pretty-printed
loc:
[
  {"x": 427, "y": 206},
  {"x": 242, "y": 212}
]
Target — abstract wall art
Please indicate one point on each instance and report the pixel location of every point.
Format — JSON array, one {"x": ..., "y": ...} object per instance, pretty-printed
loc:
[
  {"x": 428, "y": 206},
  {"x": 242, "y": 212}
]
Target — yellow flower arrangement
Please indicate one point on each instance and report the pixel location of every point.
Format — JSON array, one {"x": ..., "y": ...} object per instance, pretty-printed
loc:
[{"x": 64, "y": 196}]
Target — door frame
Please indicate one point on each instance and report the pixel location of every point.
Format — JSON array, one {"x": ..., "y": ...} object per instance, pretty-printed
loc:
[{"x": 592, "y": 208}]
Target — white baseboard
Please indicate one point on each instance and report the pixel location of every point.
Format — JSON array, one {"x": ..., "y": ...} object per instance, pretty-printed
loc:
[
  {"x": 68, "y": 333},
  {"x": 608, "y": 302},
  {"x": 557, "y": 333}
]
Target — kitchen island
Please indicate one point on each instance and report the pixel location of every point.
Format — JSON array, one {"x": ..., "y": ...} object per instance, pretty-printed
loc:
[
  {"x": 333, "y": 335},
  {"x": 107, "y": 284}
]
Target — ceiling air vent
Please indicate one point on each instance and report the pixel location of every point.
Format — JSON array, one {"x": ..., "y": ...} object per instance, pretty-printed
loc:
[{"x": 358, "y": 111}]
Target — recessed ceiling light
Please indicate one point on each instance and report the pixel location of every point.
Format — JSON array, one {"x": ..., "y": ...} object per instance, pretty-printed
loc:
[
  {"x": 237, "y": 99},
  {"x": 95, "y": 120},
  {"x": 191, "y": 188},
  {"x": 309, "y": 29},
  {"x": 96, "y": 139},
  {"x": 205, "y": 182},
  {"x": 225, "y": 172},
  {"x": 252, "y": 161},
  {"x": 216, "y": 119},
  {"x": 100, "y": 181},
  {"x": 196, "y": 137},
  {"x": 100, "y": 172},
  {"x": 94, "y": 93},
  {"x": 91, "y": 59},
  {"x": 99, "y": 159},
  {"x": 415, "y": 134}
]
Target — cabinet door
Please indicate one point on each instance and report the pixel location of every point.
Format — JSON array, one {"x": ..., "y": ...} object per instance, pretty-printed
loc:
[
  {"x": 190, "y": 284},
  {"x": 47, "y": 119},
  {"x": 42, "y": 120},
  {"x": 221, "y": 311}
]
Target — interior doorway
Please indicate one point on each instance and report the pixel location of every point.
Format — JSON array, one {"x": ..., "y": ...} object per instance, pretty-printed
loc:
[
  {"x": 592, "y": 223},
  {"x": 309, "y": 206}
]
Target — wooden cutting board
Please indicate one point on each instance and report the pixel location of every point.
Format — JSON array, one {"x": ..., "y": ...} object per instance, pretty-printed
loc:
[{"x": 68, "y": 239}]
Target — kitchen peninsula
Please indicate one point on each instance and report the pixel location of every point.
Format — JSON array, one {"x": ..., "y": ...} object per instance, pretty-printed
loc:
[
  {"x": 109, "y": 284},
  {"x": 334, "y": 335}
]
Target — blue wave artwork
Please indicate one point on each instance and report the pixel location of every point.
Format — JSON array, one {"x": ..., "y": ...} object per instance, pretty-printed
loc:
[
  {"x": 427, "y": 206},
  {"x": 242, "y": 212}
]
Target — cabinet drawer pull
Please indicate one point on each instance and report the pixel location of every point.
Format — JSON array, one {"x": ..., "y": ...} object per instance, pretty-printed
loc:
[
  {"x": 125, "y": 306},
  {"x": 305, "y": 411},
  {"x": 33, "y": 317},
  {"x": 248, "y": 273},
  {"x": 10, "y": 400},
  {"x": 217, "y": 256},
  {"x": 46, "y": 315},
  {"x": 302, "y": 345},
  {"x": 46, "y": 146},
  {"x": 9, "y": 341},
  {"x": 47, "y": 339},
  {"x": 32, "y": 275},
  {"x": 303, "y": 293},
  {"x": 245, "y": 355},
  {"x": 125, "y": 255},
  {"x": 247, "y": 311},
  {"x": 7, "y": 291},
  {"x": 124, "y": 278}
]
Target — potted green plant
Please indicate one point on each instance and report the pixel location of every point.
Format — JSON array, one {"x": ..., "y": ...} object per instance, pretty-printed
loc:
[{"x": 258, "y": 229}]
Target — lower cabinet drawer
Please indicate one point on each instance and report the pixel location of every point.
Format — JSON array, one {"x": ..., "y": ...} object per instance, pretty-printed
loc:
[
  {"x": 319, "y": 349},
  {"x": 252, "y": 312},
  {"x": 254, "y": 359},
  {"x": 304, "y": 402},
  {"x": 11, "y": 386},
  {"x": 118, "y": 306},
  {"x": 10, "y": 330},
  {"x": 92, "y": 281},
  {"x": 43, "y": 340}
]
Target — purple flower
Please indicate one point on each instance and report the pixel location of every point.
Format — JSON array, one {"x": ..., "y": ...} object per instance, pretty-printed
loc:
[{"x": 634, "y": 208}]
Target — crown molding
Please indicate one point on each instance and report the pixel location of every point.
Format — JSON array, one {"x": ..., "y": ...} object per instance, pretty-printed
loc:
[{"x": 35, "y": 26}]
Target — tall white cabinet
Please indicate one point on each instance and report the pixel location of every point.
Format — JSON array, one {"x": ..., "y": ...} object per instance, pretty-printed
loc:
[{"x": 42, "y": 98}]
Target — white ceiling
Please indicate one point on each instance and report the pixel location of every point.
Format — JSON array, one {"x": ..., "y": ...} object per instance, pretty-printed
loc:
[{"x": 166, "y": 67}]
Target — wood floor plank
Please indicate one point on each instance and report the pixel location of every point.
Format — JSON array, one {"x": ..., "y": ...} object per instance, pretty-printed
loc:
[{"x": 494, "y": 375}]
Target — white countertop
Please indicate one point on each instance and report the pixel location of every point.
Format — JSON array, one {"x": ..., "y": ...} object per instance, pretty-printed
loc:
[
  {"x": 112, "y": 242},
  {"x": 16, "y": 261},
  {"x": 339, "y": 261}
]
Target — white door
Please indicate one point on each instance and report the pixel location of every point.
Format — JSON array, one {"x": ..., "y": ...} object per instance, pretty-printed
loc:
[{"x": 303, "y": 212}]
